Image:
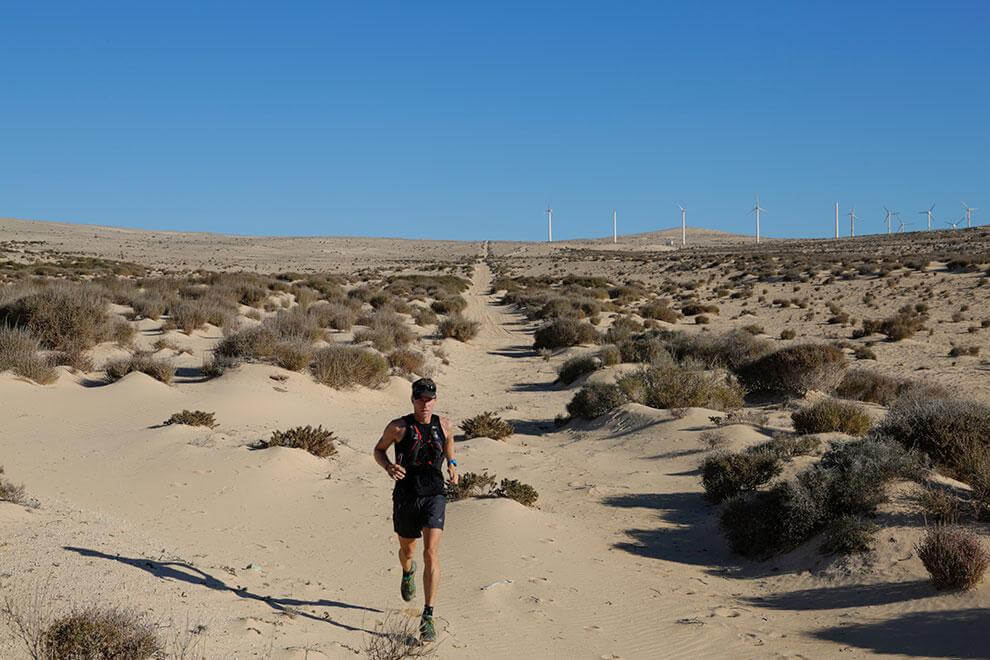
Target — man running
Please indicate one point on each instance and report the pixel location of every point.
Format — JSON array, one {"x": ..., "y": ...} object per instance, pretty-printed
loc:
[{"x": 421, "y": 440}]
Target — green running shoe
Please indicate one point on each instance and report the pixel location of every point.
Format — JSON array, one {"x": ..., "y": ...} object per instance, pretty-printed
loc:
[
  {"x": 426, "y": 630},
  {"x": 408, "y": 589}
]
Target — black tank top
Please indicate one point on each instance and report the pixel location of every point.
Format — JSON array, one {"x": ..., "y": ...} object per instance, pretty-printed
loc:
[{"x": 421, "y": 453}]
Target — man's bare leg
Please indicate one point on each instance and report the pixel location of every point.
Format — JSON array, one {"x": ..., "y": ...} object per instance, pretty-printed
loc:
[
  {"x": 431, "y": 571},
  {"x": 407, "y": 548}
]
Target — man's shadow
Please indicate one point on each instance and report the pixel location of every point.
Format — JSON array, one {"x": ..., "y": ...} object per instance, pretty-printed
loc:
[{"x": 183, "y": 572}]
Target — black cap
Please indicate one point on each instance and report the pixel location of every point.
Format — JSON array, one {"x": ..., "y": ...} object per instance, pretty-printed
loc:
[{"x": 424, "y": 387}]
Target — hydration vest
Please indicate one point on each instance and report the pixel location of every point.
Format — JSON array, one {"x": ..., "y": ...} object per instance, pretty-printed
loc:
[{"x": 421, "y": 453}]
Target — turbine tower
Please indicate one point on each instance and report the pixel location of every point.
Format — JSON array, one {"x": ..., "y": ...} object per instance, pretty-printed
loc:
[
  {"x": 683, "y": 224},
  {"x": 954, "y": 225},
  {"x": 852, "y": 222},
  {"x": 549, "y": 224},
  {"x": 969, "y": 214},
  {"x": 757, "y": 209},
  {"x": 615, "y": 236},
  {"x": 901, "y": 225},
  {"x": 930, "y": 213},
  {"x": 836, "y": 221},
  {"x": 887, "y": 214}
]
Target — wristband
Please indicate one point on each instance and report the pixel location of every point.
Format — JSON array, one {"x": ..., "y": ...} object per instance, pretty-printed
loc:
[{"x": 452, "y": 461}]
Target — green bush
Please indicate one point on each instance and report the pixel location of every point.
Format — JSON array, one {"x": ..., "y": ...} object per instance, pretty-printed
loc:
[
  {"x": 317, "y": 441},
  {"x": 486, "y": 425},
  {"x": 592, "y": 401},
  {"x": 795, "y": 370},
  {"x": 831, "y": 415},
  {"x": 677, "y": 387},
  {"x": 576, "y": 367},
  {"x": 954, "y": 557},
  {"x": 344, "y": 366},
  {"x": 458, "y": 327},
  {"x": 726, "y": 474},
  {"x": 564, "y": 332}
]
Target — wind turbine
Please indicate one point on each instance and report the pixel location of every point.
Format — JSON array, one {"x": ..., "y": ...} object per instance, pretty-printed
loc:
[
  {"x": 888, "y": 216},
  {"x": 969, "y": 214},
  {"x": 549, "y": 224},
  {"x": 852, "y": 222},
  {"x": 901, "y": 225},
  {"x": 930, "y": 213},
  {"x": 683, "y": 224},
  {"x": 615, "y": 236},
  {"x": 757, "y": 209},
  {"x": 955, "y": 224}
]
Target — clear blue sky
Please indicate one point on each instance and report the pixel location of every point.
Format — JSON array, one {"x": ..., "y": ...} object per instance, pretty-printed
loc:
[{"x": 456, "y": 120}]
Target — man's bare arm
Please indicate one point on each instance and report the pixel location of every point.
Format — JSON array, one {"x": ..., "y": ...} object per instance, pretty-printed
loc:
[
  {"x": 391, "y": 435},
  {"x": 448, "y": 448}
]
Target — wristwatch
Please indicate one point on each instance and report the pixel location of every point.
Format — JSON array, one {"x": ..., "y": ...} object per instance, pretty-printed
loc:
[{"x": 451, "y": 461}]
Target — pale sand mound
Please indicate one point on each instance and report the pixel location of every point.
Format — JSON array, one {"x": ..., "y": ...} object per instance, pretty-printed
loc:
[{"x": 278, "y": 549}]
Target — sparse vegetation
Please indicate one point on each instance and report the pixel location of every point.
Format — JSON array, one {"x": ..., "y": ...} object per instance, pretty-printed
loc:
[
  {"x": 678, "y": 387},
  {"x": 345, "y": 366},
  {"x": 317, "y": 441},
  {"x": 10, "y": 492},
  {"x": 954, "y": 557},
  {"x": 143, "y": 362},
  {"x": 795, "y": 370},
  {"x": 458, "y": 327},
  {"x": 831, "y": 415},
  {"x": 848, "y": 534},
  {"x": 193, "y": 418},
  {"x": 486, "y": 425},
  {"x": 407, "y": 361},
  {"x": 727, "y": 474},
  {"x": 594, "y": 400},
  {"x": 564, "y": 332},
  {"x": 576, "y": 367},
  {"x": 19, "y": 353}
]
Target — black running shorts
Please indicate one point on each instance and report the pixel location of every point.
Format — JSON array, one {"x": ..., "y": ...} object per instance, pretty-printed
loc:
[{"x": 411, "y": 514}]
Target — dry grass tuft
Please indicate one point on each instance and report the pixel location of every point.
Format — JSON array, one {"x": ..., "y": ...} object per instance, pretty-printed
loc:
[
  {"x": 396, "y": 638},
  {"x": 795, "y": 370},
  {"x": 160, "y": 370},
  {"x": 458, "y": 327},
  {"x": 954, "y": 557},
  {"x": 345, "y": 366},
  {"x": 486, "y": 425},
  {"x": 10, "y": 492},
  {"x": 19, "y": 353},
  {"x": 193, "y": 418},
  {"x": 317, "y": 441},
  {"x": 831, "y": 415}
]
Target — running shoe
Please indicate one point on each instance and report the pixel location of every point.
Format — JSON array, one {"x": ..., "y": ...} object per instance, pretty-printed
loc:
[{"x": 408, "y": 589}]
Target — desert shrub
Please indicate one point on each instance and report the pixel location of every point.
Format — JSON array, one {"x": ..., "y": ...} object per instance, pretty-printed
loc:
[
  {"x": 954, "y": 557},
  {"x": 150, "y": 306},
  {"x": 295, "y": 324},
  {"x": 647, "y": 349},
  {"x": 518, "y": 491},
  {"x": 762, "y": 523},
  {"x": 713, "y": 439},
  {"x": 678, "y": 387},
  {"x": 730, "y": 350},
  {"x": 795, "y": 370},
  {"x": 146, "y": 363},
  {"x": 100, "y": 632},
  {"x": 344, "y": 366},
  {"x": 423, "y": 316},
  {"x": 216, "y": 365},
  {"x": 848, "y": 534},
  {"x": 471, "y": 484},
  {"x": 122, "y": 332},
  {"x": 754, "y": 329},
  {"x": 407, "y": 361},
  {"x": 830, "y": 415},
  {"x": 19, "y": 353},
  {"x": 701, "y": 319},
  {"x": 458, "y": 327},
  {"x": 900, "y": 326},
  {"x": 188, "y": 315},
  {"x": 251, "y": 343},
  {"x": 941, "y": 505},
  {"x": 959, "y": 351},
  {"x": 659, "y": 310},
  {"x": 787, "y": 333},
  {"x": 594, "y": 400},
  {"x": 564, "y": 332},
  {"x": 293, "y": 354},
  {"x": 952, "y": 432},
  {"x": 10, "y": 492},
  {"x": 786, "y": 446},
  {"x": 867, "y": 385},
  {"x": 609, "y": 355},
  {"x": 449, "y": 305},
  {"x": 193, "y": 418},
  {"x": 63, "y": 316},
  {"x": 622, "y": 328},
  {"x": 486, "y": 425},
  {"x": 333, "y": 315},
  {"x": 576, "y": 367},
  {"x": 864, "y": 353},
  {"x": 317, "y": 441},
  {"x": 726, "y": 474},
  {"x": 692, "y": 309}
]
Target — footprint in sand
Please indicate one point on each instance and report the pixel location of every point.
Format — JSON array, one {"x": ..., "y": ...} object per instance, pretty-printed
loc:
[{"x": 726, "y": 612}]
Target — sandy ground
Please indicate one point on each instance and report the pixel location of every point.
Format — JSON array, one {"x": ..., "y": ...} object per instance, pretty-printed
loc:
[{"x": 281, "y": 554}]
